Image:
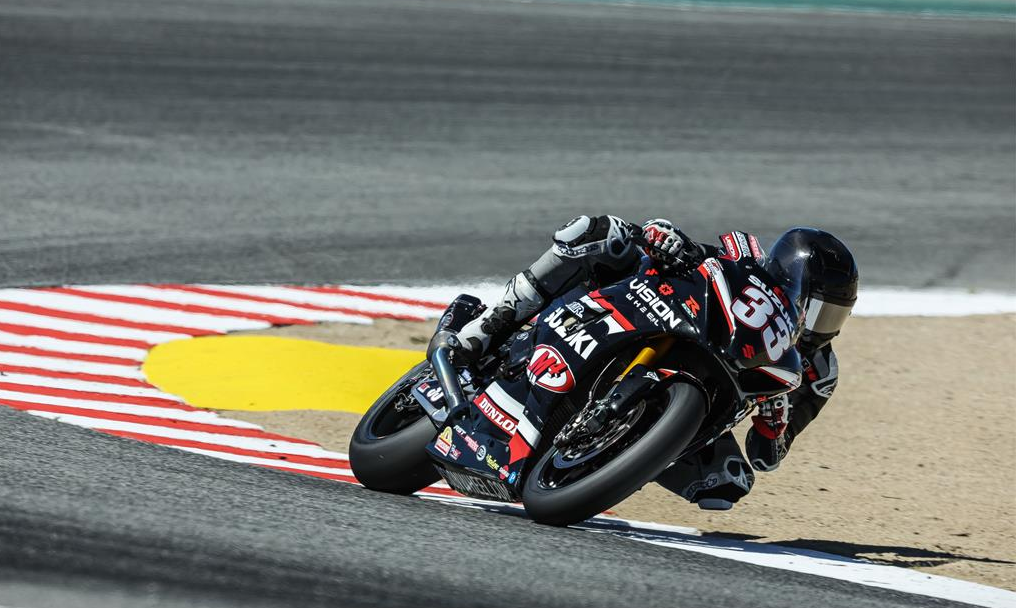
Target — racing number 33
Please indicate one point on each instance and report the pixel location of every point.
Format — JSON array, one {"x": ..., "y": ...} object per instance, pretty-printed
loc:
[{"x": 755, "y": 309}]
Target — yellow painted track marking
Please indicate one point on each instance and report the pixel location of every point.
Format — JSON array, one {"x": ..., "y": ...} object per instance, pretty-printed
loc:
[{"x": 268, "y": 373}]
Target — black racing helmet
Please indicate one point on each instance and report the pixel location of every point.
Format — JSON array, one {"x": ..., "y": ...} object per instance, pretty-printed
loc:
[{"x": 817, "y": 271}]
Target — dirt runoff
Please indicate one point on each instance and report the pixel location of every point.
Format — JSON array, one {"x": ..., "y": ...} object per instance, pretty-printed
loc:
[{"x": 912, "y": 463}]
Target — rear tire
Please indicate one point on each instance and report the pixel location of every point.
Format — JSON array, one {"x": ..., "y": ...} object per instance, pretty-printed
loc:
[
  {"x": 621, "y": 477},
  {"x": 387, "y": 453}
]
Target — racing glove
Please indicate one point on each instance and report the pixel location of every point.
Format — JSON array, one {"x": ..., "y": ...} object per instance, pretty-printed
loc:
[
  {"x": 665, "y": 242},
  {"x": 767, "y": 441},
  {"x": 773, "y": 417}
]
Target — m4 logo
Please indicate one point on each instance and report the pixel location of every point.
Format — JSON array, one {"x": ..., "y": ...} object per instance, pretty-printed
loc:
[
  {"x": 759, "y": 308},
  {"x": 548, "y": 369}
]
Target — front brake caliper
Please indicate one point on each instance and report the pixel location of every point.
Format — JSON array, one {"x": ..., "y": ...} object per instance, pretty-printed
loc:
[{"x": 624, "y": 395}]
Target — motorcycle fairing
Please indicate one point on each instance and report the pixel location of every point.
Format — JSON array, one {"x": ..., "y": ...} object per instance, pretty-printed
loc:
[{"x": 576, "y": 336}]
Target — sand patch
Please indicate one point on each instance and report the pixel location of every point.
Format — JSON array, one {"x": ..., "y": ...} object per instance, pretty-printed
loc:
[{"x": 912, "y": 463}]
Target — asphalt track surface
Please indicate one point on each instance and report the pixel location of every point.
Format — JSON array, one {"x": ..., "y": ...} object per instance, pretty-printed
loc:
[
  {"x": 336, "y": 141},
  {"x": 352, "y": 140},
  {"x": 83, "y": 511}
]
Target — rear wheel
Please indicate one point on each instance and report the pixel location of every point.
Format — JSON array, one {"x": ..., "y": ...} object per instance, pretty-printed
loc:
[
  {"x": 594, "y": 472},
  {"x": 387, "y": 449}
]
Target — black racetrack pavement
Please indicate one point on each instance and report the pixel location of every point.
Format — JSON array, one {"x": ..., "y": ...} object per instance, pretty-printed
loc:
[{"x": 356, "y": 140}]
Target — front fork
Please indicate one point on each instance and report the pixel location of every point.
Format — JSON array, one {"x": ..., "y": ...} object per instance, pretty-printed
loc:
[
  {"x": 649, "y": 355},
  {"x": 638, "y": 378}
]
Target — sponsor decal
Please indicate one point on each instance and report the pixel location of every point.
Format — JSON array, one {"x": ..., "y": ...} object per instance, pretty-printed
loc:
[
  {"x": 692, "y": 306},
  {"x": 756, "y": 249},
  {"x": 493, "y": 464},
  {"x": 655, "y": 309},
  {"x": 730, "y": 247},
  {"x": 548, "y": 369},
  {"x": 576, "y": 308},
  {"x": 496, "y": 415},
  {"x": 579, "y": 251},
  {"x": 742, "y": 242},
  {"x": 583, "y": 343},
  {"x": 443, "y": 443},
  {"x": 502, "y": 472},
  {"x": 512, "y": 476},
  {"x": 748, "y": 351},
  {"x": 825, "y": 388},
  {"x": 471, "y": 443},
  {"x": 824, "y": 384},
  {"x": 454, "y": 453},
  {"x": 432, "y": 393},
  {"x": 481, "y": 453},
  {"x": 772, "y": 293},
  {"x": 652, "y": 272},
  {"x": 665, "y": 289},
  {"x": 713, "y": 267}
]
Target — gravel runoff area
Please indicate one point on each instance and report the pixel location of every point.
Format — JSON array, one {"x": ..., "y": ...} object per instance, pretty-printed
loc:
[{"x": 913, "y": 462}]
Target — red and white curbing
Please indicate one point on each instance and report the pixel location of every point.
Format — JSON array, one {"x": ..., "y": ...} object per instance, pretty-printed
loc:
[{"x": 74, "y": 354}]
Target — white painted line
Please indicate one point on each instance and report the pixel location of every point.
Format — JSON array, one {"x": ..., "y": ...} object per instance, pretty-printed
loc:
[
  {"x": 70, "y": 365},
  {"x": 201, "y": 416},
  {"x": 775, "y": 556},
  {"x": 72, "y": 346},
  {"x": 91, "y": 329},
  {"x": 275, "y": 446},
  {"x": 833, "y": 566},
  {"x": 90, "y": 387},
  {"x": 130, "y": 312},
  {"x": 244, "y": 306},
  {"x": 889, "y": 301}
]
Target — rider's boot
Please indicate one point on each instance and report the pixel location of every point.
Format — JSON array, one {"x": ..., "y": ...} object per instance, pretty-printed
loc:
[
  {"x": 714, "y": 478},
  {"x": 521, "y": 300}
]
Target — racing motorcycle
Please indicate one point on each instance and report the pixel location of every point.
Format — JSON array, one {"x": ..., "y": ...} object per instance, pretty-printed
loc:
[{"x": 595, "y": 396}]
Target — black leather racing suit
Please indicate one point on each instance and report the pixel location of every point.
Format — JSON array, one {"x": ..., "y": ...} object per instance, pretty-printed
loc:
[{"x": 599, "y": 251}]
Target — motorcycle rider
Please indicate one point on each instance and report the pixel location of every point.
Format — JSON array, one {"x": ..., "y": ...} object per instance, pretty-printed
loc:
[{"x": 601, "y": 250}]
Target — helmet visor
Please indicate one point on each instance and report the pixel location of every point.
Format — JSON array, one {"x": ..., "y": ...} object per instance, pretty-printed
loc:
[{"x": 825, "y": 317}]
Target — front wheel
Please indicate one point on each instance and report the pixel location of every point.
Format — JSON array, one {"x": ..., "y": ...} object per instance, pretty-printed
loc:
[
  {"x": 387, "y": 452},
  {"x": 592, "y": 474}
]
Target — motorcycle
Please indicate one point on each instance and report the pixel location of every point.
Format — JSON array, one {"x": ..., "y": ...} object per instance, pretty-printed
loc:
[{"x": 596, "y": 395}]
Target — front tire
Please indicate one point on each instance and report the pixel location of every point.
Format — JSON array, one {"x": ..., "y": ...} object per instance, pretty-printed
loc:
[
  {"x": 387, "y": 452},
  {"x": 621, "y": 476}
]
